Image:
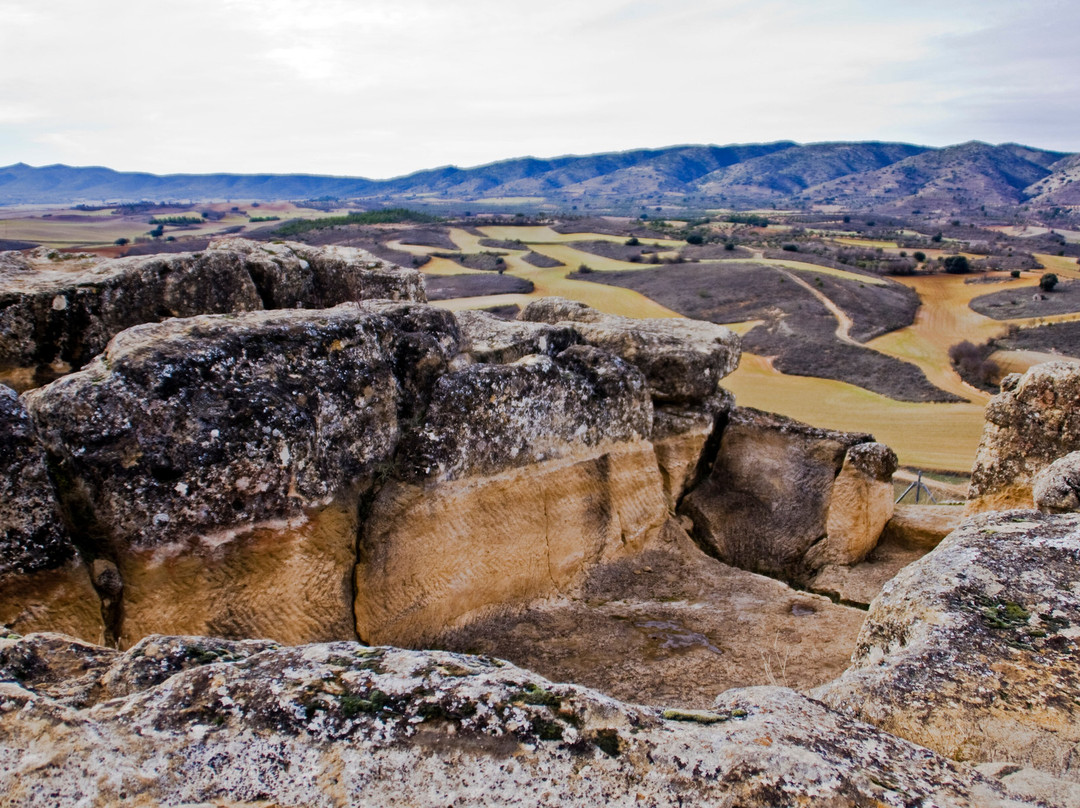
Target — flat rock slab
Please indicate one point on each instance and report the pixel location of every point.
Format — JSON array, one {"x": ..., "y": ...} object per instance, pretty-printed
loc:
[
  {"x": 674, "y": 627},
  {"x": 858, "y": 584}
]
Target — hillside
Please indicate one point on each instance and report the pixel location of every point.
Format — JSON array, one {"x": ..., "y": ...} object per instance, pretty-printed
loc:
[{"x": 892, "y": 177}]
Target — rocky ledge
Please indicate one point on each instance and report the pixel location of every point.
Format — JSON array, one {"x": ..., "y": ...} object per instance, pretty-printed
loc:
[{"x": 186, "y": 720}]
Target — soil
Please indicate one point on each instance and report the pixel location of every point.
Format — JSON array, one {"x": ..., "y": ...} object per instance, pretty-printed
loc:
[
  {"x": 1063, "y": 338},
  {"x": 429, "y": 237},
  {"x": 448, "y": 287},
  {"x": 673, "y": 627},
  {"x": 616, "y": 251},
  {"x": 542, "y": 261},
  {"x": 1009, "y": 304},
  {"x": 798, "y": 330}
]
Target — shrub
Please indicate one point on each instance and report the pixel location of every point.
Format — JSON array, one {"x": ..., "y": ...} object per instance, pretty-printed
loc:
[
  {"x": 973, "y": 364},
  {"x": 730, "y": 246},
  {"x": 120, "y": 242},
  {"x": 632, "y": 241},
  {"x": 936, "y": 238},
  {"x": 791, "y": 248},
  {"x": 584, "y": 269},
  {"x": 1015, "y": 273},
  {"x": 695, "y": 238},
  {"x": 919, "y": 256},
  {"x": 1048, "y": 281},
  {"x": 957, "y": 265}
]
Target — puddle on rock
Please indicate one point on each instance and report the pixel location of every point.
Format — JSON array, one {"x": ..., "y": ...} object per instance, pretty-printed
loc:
[{"x": 674, "y": 636}]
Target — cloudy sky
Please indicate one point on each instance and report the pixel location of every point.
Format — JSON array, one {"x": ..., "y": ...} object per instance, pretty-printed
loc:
[{"x": 379, "y": 88}]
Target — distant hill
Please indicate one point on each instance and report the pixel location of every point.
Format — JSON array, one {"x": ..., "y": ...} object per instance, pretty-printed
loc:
[{"x": 879, "y": 176}]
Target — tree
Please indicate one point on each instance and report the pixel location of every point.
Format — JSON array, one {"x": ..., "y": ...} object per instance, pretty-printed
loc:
[
  {"x": 919, "y": 256},
  {"x": 1048, "y": 281},
  {"x": 120, "y": 242},
  {"x": 957, "y": 265},
  {"x": 632, "y": 241},
  {"x": 695, "y": 238},
  {"x": 936, "y": 237}
]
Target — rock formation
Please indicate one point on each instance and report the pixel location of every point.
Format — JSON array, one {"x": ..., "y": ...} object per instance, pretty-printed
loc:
[
  {"x": 1033, "y": 421},
  {"x": 972, "y": 650},
  {"x": 1057, "y": 487},
  {"x": 784, "y": 497},
  {"x": 58, "y": 311},
  {"x": 43, "y": 584},
  {"x": 194, "y": 721}
]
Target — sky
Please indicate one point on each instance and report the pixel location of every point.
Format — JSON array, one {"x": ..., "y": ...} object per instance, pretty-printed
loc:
[{"x": 380, "y": 88}]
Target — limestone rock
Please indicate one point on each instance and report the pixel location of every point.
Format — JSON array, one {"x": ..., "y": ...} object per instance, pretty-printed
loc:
[
  {"x": 217, "y": 460},
  {"x": 1034, "y": 421},
  {"x": 60, "y": 311},
  {"x": 686, "y": 439},
  {"x": 683, "y": 360},
  {"x": 922, "y": 526},
  {"x": 491, "y": 339},
  {"x": 338, "y": 724},
  {"x": 487, "y": 418},
  {"x": 1057, "y": 487},
  {"x": 766, "y": 501},
  {"x": 972, "y": 650},
  {"x": 860, "y": 505},
  {"x": 43, "y": 581},
  {"x": 520, "y": 477}
]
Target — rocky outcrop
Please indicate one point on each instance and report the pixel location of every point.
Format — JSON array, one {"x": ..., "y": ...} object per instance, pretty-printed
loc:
[
  {"x": 686, "y": 439},
  {"x": 43, "y": 582},
  {"x": 58, "y": 311},
  {"x": 770, "y": 495},
  {"x": 922, "y": 526},
  {"x": 683, "y": 360},
  {"x": 491, "y": 339},
  {"x": 972, "y": 650},
  {"x": 321, "y": 725},
  {"x": 1057, "y": 487},
  {"x": 1033, "y": 421},
  {"x": 522, "y": 477},
  {"x": 218, "y": 461}
]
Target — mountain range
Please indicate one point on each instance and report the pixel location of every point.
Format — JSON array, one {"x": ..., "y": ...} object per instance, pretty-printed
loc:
[{"x": 890, "y": 177}]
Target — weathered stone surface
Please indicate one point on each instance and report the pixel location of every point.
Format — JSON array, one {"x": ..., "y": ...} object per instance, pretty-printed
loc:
[
  {"x": 1057, "y": 487},
  {"x": 494, "y": 340},
  {"x": 487, "y": 418},
  {"x": 58, "y": 312},
  {"x": 335, "y": 724},
  {"x": 686, "y": 439},
  {"x": 922, "y": 526},
  {"x": 972, "y": 650},
  {"x": 766, "y": 501},
  {"x": 218, "y": 459},
  {"x": 672, "y": 627},
  {"x": 683, "y": 360},
  {"x": 858, "y": 584},
  {"x": 43, "y": 582},
  {"x": 1034, "y": 421},
  {"x": 860, "y": 505}
]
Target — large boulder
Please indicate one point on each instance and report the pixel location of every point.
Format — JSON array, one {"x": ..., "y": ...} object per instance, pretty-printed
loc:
[
  {"x": 44, "y": 583},
  {"x": 776, "y": 488},
  {"x": 1033, "y": 421},
  {"x": 1057, "y": 487},
  {"x": 59, "y": 311},
  {"x": 218, "y": 461},
  {"x": 683, "y": 360},
  {"x": 972, "y": 650},
  {"x": 344, "y": 724},
  {"x": 491, "y": 339},
  {"x": 519, "y": 479}
]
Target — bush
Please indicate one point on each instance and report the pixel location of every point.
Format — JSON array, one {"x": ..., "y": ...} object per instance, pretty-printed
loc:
[
  {"x": 730, "y": 246},
  {"x": 973, "y": 364},
  {"x": 120, "y": 242},
  {"x": 695, "y": 238},
  {"x": 632, "y": 241},
  {"x": 1015, "y": 273},
  {"x": 1048, "y": 281},
  {"x": 936, "y": 238},
  {"x": 584, "y": 269},
  {"x": 957, "y": 265},
  {"x": 919, "y": 256},
  {"x": 790, "y": 248}
]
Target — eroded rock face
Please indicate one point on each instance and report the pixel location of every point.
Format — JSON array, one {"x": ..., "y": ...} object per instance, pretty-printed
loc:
[
  {"x": 1057, "y": 487},
  {"x": 56, "y": 313},
  {"x": 683, "y": 360},
  {"x": 491, "y": 339},
  {"x": 43, "y": 581},
  {"x": 972, "y": 650},
  {"x": 767, "y": 499},
  {"x": 686, "y": 440},
  {"x": 218, "y": 460},
  {"x": 1033, "y": 421},
  {"x": 361, "y": 725},
  {"x": 519, "y": 479}
]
